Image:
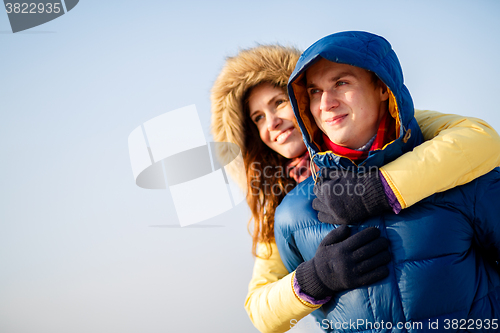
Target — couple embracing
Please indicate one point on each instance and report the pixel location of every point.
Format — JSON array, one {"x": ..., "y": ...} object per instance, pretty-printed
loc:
[{"x": 417, "y": 243}]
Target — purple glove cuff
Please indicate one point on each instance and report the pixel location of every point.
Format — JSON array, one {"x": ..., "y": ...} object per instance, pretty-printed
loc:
[
  {"x": 391, "y": 197},
  {"x": 306, "y": 297}
]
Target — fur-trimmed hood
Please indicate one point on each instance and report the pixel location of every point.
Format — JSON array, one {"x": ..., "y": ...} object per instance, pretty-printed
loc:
[{"x": 264, "y": 63}]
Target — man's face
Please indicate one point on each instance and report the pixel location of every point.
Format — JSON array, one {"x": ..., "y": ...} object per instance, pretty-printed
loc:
[{"x": 345, "y": 103}]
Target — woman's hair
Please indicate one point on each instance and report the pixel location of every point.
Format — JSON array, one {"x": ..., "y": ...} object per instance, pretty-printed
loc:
[
  {"x": 263, "y": 174},
  {"x": 267, "y": 182}
]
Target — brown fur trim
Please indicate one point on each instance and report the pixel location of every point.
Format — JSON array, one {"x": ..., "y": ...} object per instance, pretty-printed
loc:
[{"x": 264, "y": 63}]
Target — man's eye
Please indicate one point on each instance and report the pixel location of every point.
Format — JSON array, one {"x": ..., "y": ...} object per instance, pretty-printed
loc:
[
  {"x": 341, "y": 83},
  {"x": 313, "y": 91},
  {"x": 281, "y": 102}
]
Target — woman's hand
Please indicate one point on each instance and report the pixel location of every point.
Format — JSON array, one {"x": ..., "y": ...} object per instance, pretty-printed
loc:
[
  {"x": 346, "y": 197},
  {"x": 344, "y": 262}
]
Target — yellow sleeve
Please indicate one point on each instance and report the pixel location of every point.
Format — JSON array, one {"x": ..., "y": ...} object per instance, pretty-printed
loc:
[
  {"x": 457, "y": 150},
  {"x": 271, "y": 303}
]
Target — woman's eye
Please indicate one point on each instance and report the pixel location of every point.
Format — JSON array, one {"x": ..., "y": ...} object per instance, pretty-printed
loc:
[
  {"x": 256, "y": 119},
  {"x": 313, "y": 91}
]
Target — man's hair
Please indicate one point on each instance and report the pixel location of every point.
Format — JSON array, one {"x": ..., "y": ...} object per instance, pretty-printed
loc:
[{"x": 375, "y": 79}]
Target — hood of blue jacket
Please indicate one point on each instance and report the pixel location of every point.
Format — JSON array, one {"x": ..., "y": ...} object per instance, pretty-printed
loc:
[{"x": 370, "y": 52}]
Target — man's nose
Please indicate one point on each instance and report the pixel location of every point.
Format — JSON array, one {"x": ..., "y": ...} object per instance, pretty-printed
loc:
[
  {"x": 273, "y": 122},
  {"x": 329, "y": 101}
]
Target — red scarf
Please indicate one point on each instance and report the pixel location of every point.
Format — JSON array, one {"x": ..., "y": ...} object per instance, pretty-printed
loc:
[
  {"x": 385, "y": 134},
  {"x": 299, "y": 167}
]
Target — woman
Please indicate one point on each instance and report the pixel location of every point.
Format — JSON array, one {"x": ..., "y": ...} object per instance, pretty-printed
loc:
[{"x": 250, "y": 108}]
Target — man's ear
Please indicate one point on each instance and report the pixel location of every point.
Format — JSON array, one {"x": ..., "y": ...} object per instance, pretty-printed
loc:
[{"x": 384, "y": 92}]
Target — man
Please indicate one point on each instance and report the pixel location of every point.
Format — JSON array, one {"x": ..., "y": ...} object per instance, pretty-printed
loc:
[{"x": 356, "y": 114}]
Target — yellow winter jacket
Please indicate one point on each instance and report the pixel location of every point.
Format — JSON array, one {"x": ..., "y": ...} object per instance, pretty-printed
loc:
[{"x": 457, "y": 150}]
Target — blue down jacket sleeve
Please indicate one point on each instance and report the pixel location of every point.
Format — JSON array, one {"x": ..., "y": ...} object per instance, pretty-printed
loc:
[
  {"x": 297, "y": 230},
  {"x": 487, "y": 215}
]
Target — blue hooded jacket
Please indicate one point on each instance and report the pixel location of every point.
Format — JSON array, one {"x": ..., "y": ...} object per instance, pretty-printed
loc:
[{"x": 443, "y": 273}]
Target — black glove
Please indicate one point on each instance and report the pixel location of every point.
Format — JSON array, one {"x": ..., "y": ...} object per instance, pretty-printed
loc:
[
  {"x": 345, "y": 197},
  {"x": 342, "y": 262}
]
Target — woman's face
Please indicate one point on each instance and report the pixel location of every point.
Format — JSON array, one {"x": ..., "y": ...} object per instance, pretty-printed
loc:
[{"x": 272, "y": 112}]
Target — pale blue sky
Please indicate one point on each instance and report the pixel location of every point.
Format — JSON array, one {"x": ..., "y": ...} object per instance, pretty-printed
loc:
[{"x": 77, "y": 248}]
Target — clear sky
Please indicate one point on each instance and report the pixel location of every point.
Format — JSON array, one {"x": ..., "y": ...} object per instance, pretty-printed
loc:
[{"x": 82, "y": 248}]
